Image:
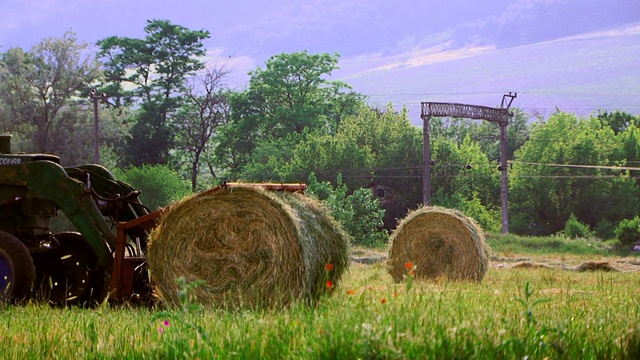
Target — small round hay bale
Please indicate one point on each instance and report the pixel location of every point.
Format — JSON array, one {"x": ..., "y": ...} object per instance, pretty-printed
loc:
[
  {"x": 595, "y": 266},
  {"x": 438, "y": 242},
  {"x": 250, "y": 248}
]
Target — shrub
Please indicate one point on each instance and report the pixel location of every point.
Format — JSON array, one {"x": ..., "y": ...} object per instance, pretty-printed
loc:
[
  {"x": 628, "y": 231},
  {"x": 473, "y": 208},
  {"x": 359, "y": 213},
  {"x": 159, "y": 185},
  {"x": 605, "y": 229},
  {"x": 574, "y": 229}
]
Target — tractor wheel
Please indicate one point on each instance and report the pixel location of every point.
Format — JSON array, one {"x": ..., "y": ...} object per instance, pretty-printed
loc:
[
  {"x": 69, "y": 275},
  {"x": 17, "y": 272}
]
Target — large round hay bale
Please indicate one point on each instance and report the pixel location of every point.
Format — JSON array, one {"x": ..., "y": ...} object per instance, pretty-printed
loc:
[
  {"x": 249, "y": 247},
  {"x": 434, "y": 242}
]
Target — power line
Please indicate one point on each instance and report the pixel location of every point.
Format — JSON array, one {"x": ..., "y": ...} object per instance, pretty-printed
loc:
[{"x": 579, "y": 166}]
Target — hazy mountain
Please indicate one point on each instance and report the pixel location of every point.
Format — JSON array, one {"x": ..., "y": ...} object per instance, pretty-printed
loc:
[{"x": 581, "y": 74}]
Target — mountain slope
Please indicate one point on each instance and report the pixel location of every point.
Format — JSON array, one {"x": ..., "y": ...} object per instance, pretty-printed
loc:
[{"x": 580, "y": 74}]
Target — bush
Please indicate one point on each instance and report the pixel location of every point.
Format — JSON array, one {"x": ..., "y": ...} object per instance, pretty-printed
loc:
[
  {"x": 159, "y": 185},
  {"x": 473, "y": 208},
  {"x": 605, "y": 229},
  {"x": 359, "y": 213},
  {"x": 628, "y": 231},
  {"x": 574, "y": 229}
]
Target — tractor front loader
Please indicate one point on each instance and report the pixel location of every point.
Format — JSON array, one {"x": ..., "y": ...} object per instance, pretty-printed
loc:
[{"x": 68, "y": 267}]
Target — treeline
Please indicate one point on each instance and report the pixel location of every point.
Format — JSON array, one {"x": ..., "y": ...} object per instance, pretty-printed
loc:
[{"x": 164, "y": 114}]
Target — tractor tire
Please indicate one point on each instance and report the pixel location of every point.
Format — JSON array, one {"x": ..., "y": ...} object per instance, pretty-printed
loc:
[
  {"x": 17, "y": 272},
  {"x": 69, "y": 275}
]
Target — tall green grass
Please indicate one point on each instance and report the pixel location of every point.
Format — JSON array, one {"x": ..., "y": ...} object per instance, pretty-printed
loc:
[
  {"x": 552, "y": 245},
  {"x": 511, "y": 314}
]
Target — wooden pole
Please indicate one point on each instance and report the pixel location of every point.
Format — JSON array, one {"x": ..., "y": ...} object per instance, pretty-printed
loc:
[
  {"x": 504, "y": 182},
  {"x": 96, "y": 131},
  {"x": 426, "y": 162}
]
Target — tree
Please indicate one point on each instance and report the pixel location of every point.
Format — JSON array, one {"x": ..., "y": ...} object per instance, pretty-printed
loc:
[
  {"x": 373, "y": 149},
  {"x": 288, "y": 99},
  {"x": 40, "y": 88},
  {"x": 561, "y": 170},
  {"x": 204, "y": 111},
  {"x": 152, "y": 72}
]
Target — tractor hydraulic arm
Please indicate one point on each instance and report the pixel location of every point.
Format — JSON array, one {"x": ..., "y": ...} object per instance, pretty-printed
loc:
[{"x": 48, "y": 180}]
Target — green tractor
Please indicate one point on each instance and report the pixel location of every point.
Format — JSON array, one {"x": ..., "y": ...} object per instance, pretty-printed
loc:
[{"x": 100, "y": 257}]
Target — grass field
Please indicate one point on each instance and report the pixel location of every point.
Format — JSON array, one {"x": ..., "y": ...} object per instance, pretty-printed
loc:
[{"x": 514, "y": 313}]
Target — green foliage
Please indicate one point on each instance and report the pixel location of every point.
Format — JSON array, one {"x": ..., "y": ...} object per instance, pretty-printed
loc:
[
  {"x": 160, "y": 185},
  {"x": 359, "y": 213},
  {"x": 628, "y": 231},
  {"x": 290, "y": 96},
  {"x": 605, "y": 229},
  {"x": 461, "y": 168},
  {"x": 150, "y": 140},
  {"x": 545, "y": 191},
  {"x": 548, "y": 245},
  {"x": 473, "y": 208},
  {"x": 39, "y": 92},
  {"x": 370, "y": 148},
  {"x": 152, "y": 71},
  {"x": 575, "y": 229}
]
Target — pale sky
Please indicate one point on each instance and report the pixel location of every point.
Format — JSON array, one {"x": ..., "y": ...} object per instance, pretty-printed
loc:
[{"x": 369, "y": 35}]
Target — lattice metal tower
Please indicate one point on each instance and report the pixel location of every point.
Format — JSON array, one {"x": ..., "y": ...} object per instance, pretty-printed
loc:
[{"x": 500, "y": 115}]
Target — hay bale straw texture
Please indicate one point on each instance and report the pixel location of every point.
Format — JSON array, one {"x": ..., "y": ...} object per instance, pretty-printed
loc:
[
  {"x": 250, "y": 247},
  {"x": 438, "y": 242}
]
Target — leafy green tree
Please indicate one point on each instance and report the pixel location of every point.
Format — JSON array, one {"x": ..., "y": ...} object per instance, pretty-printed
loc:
[
  {"x": 487, "y": 134},
  {"x": 291, "y": 97},
  {"x": 555, "y": 176},
  {"x": 618, "y": 121},
  {"x": 372, "y": 149},
  {"x": 40, "y": 91},
  {"x": 463, "y": 169},
  {"x": 152, "y": 72}
]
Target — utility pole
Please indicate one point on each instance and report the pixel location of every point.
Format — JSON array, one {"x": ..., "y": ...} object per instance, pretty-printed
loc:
[
  {"x": 95, "y": 97},
  {"x": 504, "y": 182}
]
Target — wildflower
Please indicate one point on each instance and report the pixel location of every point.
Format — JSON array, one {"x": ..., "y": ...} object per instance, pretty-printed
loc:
[
  {"x": 351, "y": 292},
  {"x": 384, "y": 300},
  {"x": 409, "y": 265},
  {"x": 412, "y": 272},
  {"x": 329, "y": 284},
  {"x": 395, "y": 294},
  {"x": 329, "y": 267},
  {"x": 160, "y": 330},
  {"x": 166, "y": 323}
]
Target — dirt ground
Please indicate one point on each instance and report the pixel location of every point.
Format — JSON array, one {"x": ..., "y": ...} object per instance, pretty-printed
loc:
[{"x": 626, "y": 264}]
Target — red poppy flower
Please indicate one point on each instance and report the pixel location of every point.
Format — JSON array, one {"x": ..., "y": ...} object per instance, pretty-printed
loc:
[
  {"x": 409, "y": 265},
  {"x": 383, "y": 300},
  {"x": 329, "y": 267},
  {"x": 329, "y": 284}
]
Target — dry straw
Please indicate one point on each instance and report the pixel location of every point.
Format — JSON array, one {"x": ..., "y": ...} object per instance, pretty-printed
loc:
[
  {"x": 436, "y": 242},
  {"x": 250, "y": 248}
]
